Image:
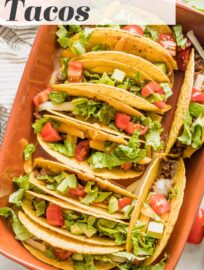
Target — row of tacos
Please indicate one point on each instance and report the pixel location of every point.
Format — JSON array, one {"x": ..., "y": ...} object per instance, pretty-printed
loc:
[
  {"x": 71, "y": 219},
  {"x": 101, "y": 119}
]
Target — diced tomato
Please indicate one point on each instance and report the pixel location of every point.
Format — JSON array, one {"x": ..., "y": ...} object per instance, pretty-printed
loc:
[
  {"x": 122, "y": 120},
  {"x": 159, "y": 204},
  {"x": 54, "y": 215},
  {"x": 124, "y": 202},
  {"x": 82, "y": 150},
  {"x": 197, "y": 96},
  {"x": 78, "y": 192},
  {"x": 167, "y": 42},
  {"x": 49, "y": 134},
  {"x": 126, "y": 166},
  {"x": 75, "y": 72},
  {"x": 62, "y": 254},
  {"x": 160, "y": 104},
  {"x": 197, "y": 231},
  {"x": 42, "y": 97},
  {"x": 150, "y": 88},
  {"x": 132, "y": 127},
  {"x": 135, "y": 29},
  {"x": 183, "y": 58}
]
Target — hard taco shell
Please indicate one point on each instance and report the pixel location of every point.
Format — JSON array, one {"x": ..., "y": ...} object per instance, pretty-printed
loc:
[
  {"x": 60, "y": 241},
  {"x": 170, "y": 219}
]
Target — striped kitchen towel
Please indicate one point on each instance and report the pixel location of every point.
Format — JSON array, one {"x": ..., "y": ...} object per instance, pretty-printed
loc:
[{"x": 15, "y": 46}]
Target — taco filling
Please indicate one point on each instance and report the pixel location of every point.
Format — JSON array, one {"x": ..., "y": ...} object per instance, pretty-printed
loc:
[
  {"x": 152, "y": 224},
  {"x": 72, "y": 143},
  {"x": 191, "y": 135},
  {"x": 153, "y": 92},
  {"x": 101, "y": 113},
  {"x": 77, "y": 223},
  {"x": 38, "y": 242},
  {"x": 88, "y": 193}
]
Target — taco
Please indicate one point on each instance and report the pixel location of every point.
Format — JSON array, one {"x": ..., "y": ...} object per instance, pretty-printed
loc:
[
  {"x": 118, "y": 40},
  {"x": 82, "y": 190},
  {"x": 130, "y": 84},
  {"x": 88, "y": 107},
  {"x": 157, "y": 209},
  {"x": 71, "y": 221},
  {"x": 84, "y": 148},
  {"x": 146, "y": 69},
  {"x": 187, "y": 130}
]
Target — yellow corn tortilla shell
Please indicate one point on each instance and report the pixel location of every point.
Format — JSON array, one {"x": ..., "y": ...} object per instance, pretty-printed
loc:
[
  {"x": 95, "y": 240},
  {"x": 94, "y": 132},
  {"x": 116, "y": 136},
  {"x": 182, "y": 104},
  {"x": 116, "y": 94},
  {"x": 102, "y": 183},
  {"x": 60, "y": 241},
  {"x": 170, "y": 218},
  {"x": 65, "y": 265},
  {"x": 121, "y": 40},
  {"x": 64, "y": 200},
  {"x": 92, "y": 91},
  {"x": 113, "y": 174},
  {"x": 147, "y": 180},
  {"x": 146, "y": 69}
]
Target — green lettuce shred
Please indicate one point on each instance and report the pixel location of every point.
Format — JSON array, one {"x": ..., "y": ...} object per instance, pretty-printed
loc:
[
  {"x": 57, "y": 97},
  {"x": 21, "y": 232},
  {"x": 122, "y": 154},
  {"x": 178, "y": 35},
  {"x": 28, "y": 151},
  {"x": 66, "y": 149}
]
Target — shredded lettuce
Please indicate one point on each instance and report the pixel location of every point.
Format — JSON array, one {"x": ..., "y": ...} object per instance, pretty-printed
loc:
[
  {"x": 112, "y": 229},
  {"x": 153, "y": 136},
  {"x": 17, "y": 197},
  {"x": 178, "y": 35},
  {"x": 128, "y": 209},
  {"x": 64, "y": 34},
  {"x": 28, "y": 151},
  {"x": 91, "y": 193},
  {"x": 66, "y": 149},
  {"x": 96, "y": 109},
  {"x": 196, "y": 109},
  {"x": 22, "y": 182},
  {"x": 21, "y": 232},
  {"x": 64, "y": 68},
  {"x": 186, "y": 136},
  {"x": 79, "y": 223},
  {"x": 40, "y": 207},
  {"x": 57, "y": 97},
  {"x": 167, "y": 89},
  {"x": 120, "y": 155},
  {"x": 197, "y": 132},
  {"x": 143, "y": 245},
  {"x": 150, "y": 33}
]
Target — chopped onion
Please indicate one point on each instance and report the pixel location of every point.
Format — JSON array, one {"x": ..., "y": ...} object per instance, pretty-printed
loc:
[
  {"x": 196, "y": 43},
  {"x": 199, "y": 82},
  {"x": 66, "y": 106},
  {"x": 162, "y": 186},
  {"x": 36, "y": 245}
]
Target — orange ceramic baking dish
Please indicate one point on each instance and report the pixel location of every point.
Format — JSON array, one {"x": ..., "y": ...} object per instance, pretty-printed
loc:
[{"x": 36, "y": 77}]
